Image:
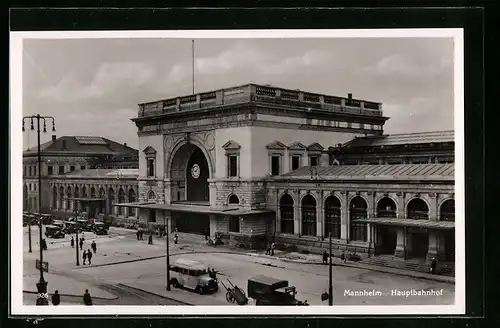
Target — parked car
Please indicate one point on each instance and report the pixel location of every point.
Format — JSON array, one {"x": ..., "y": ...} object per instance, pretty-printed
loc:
[
  {"x": 52, "y": 231},
  {"x": 71, "y": 227},
  {"x": 84, "y": 225},
  {"x": 29, "y": 219},
  {"x": 47, "y": 219},
  {"x": 100, "y": 228}
]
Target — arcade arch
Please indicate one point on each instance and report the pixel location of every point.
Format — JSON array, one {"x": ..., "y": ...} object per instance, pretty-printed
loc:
[
  {"x": 190, "y": 171},
  {"x": 332, "y": 217},
  {"x": 358, "y": 210},
  {"x": 308, "y": 216},
  {"x": 286, "y": 214}
]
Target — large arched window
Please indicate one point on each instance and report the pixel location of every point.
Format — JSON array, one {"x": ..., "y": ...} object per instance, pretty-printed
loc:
[
  {"x": 131, "y": 199},
  {"x": 447, "y": 211},
  {"x": 332, "y": 217},
  {"x": 151, "y": 195},
  {"x": 111, "y": 199},
  {"x": 234, "y": 200},
  {"x": 54, "y": 197},
  {"x": 358, "y": 210},
  {"x": 308, "y": 216},
  {"x": 286, "y": 214},
  {"x": 386, "y": 208},
  {"x": 417, "y": 210},
  {"x": 102, "y": 196},
  {"x": 61, "y": 197},
  {"x": 68, "y": 196},
  {"x": 121, "y": 199}
]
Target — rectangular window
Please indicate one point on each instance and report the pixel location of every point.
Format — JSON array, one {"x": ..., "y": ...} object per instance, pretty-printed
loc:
[
  {"x": 82, "y": 167},
  {"x": 275, "y": 165},
  {"x": 61, "y": 169},
  {"x": 151, "y": 168},
  {"x": 313, "y": 160},
  {"x": 34, "y": 187},
  {"x": 234, "y": 224},
  {"x": 233, "y": 165},
  {"x": 50, "y": 170},
  {"x": 29, "y": 171},
  {"x": 295, "y": 163},
  {"x": 72, "y": 168},
  {"x": 29, "y": 186},
  {"x": 34, "y": 170}
]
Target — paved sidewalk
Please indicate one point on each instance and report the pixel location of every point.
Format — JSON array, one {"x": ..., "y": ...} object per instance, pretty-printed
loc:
[{"x": 65, "y": 286}]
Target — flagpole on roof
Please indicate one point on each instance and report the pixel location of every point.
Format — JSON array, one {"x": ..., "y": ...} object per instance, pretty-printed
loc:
[{"x": 192, "y": 57}]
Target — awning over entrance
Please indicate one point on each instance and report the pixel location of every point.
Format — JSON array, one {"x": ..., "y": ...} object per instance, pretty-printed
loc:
[
  {"x": 234, "y": 211},
  {"x": 410, "y": 223}
]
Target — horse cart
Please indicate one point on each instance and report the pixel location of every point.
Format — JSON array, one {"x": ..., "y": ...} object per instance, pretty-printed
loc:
[{"x": 235, "y": 294}]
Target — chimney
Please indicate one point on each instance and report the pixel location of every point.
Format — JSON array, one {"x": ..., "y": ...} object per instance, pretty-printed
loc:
[
  {"x": 54, "y": 137},
  {"x": 349, "y": 95}
]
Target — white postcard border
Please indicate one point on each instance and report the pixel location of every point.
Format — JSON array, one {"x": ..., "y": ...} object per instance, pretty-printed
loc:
[{"x": 16, "y": 246}]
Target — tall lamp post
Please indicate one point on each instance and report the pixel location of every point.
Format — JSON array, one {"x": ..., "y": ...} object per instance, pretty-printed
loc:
[
  {"x": 42, "y": 298},
  {"x": 77, "y": 245},
  {"x": 167, "y": 236},
  {"x": 330, "y": 278}
]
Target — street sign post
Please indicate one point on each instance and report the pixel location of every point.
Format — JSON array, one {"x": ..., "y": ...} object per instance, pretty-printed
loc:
[{"x": 45, "y": 265}]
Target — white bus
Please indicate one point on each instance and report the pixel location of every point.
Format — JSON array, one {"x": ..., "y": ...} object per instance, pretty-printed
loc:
[{"x": 193, "y": 275}]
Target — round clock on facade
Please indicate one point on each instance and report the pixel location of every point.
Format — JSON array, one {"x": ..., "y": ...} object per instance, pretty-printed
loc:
[{"x": 195, "y": 171}]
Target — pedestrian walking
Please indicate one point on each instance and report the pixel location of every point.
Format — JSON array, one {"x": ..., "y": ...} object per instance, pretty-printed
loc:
[
  {"x": 150, "y": 239},
  {"x": 89, "y": 256},
  {"x": 81, "y": 244},
  {"x": 94, "y": 246},
  {"x": 206, "y": 234},
  {"x": 87, "y": 300},
  {"x": 325, "y": 257},
  {"x": 342, "y": 257},
  {"x": 44, "y": 244},
  {"x": 138, "y": 233},
  {"x": 272, "y": 248},
  {"x": 141, "y": 234},
  {"x": 433, "y": 265},
  {"x": 84, "y": 257},
  {"x": 268, "y": 250},
  {"x": 72, "y": 242},
  {"x": 56, "y": 298},
  {"x": 176, "y": 239}
]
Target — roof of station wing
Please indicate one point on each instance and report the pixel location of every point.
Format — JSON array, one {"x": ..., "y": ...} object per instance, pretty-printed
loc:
[
  {"x": 403, "y": 139},
  {"x": 105, "y": 173},
  {"x": 84, "y": 144},
  {"x": 375, "y": 172}
]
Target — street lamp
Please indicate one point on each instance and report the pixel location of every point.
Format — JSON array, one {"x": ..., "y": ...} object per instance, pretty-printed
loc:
[
  {"x": 42, "y": 298},
  {"x": 330, "y": 278},
  {"x": 167, "y": 236},
  {"x": 76, "y": 229}
]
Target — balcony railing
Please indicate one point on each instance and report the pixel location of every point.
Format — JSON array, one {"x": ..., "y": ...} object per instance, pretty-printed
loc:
[{"x": 265, "y": 94}]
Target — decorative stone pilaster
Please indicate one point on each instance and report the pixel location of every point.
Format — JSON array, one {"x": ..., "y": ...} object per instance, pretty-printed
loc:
[
  {"x": 433, "y": 210},
  {"x": 401, "y": 205},
  {"x": 400, "y": 243},
  {"x": 319, "y": 214},
  {"x": 297, "y": 213},
  {"x": 344, "y": 216},
  {"x": 278, "y": 213},
  {"x": 433, "y": 245}
]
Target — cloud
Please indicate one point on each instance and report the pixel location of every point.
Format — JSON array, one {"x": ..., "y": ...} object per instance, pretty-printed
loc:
[
  {"x": 109, "y": 79},
  {"x": 398, "y": 65},
  {"x": 292, "y": 64}
]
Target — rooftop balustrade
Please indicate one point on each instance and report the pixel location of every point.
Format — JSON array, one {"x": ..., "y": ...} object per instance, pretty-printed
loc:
[{"x": 261, "y": 94}]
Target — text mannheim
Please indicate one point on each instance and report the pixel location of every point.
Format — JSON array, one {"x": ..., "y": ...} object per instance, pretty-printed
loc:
[{"x": 256, "y": 163}]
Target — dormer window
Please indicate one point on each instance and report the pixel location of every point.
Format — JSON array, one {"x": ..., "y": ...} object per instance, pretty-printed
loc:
[
  {"x": 276, "y": 151},
  {"x": 296, "y": 151},
  {"x": 150, "y": 154},
  {"x": 314, "y": 152},
  {"x": 232, "y": 149}
]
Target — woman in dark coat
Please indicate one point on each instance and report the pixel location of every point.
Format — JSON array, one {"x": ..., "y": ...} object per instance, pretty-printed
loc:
[
  {"x": 56, "y": 298},
  {"x": 87, "y": 300}
]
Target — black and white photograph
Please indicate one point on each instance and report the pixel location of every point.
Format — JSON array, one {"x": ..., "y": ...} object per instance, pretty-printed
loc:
[{"x": 237, "y": 172}]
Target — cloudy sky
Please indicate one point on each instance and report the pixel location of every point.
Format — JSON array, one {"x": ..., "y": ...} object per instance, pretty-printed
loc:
[{"x": 93, "y": 86}]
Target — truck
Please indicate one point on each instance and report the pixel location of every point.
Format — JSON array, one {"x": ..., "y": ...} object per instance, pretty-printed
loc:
[{"x": 272, "y": 291}]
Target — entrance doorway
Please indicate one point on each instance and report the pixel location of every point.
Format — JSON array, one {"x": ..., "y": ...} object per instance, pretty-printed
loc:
[
  {"x": 190, "y": 172},
  {"x": 386, "y": 239},
  {"x": 449, "y": 245},
  {"x": 419, "y": 244},
  {"x": 195, "y": 223}
]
